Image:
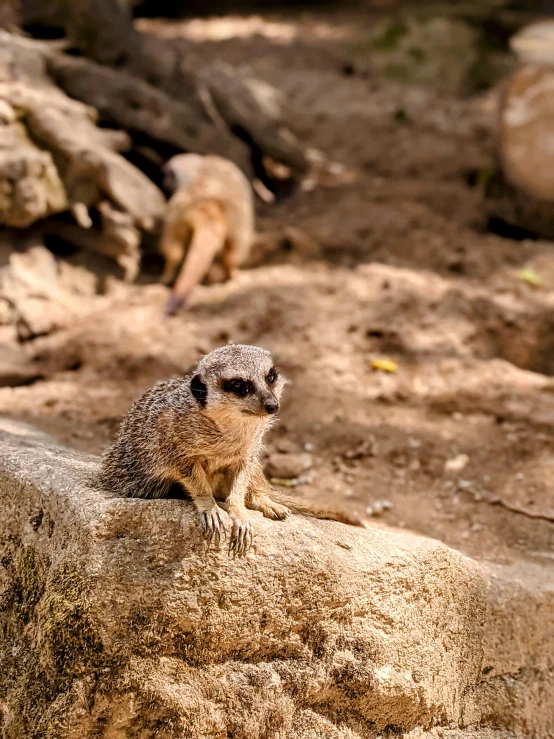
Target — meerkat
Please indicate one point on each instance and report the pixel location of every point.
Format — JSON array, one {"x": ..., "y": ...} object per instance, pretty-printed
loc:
[
  {"x": 204, "y": 433},
  {"x": 210, "y": 215}
]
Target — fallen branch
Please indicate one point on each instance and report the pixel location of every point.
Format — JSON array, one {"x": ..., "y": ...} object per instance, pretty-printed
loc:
[
  {"x": 137, "y": 106},
  {"x": 494, "y": 500},
  {"x": 54, "y": 159},
  {"x": 103, "y": 31}
]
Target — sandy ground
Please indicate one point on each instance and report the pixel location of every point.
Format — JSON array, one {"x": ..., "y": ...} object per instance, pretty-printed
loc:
[{"x": 459, "y": 439}]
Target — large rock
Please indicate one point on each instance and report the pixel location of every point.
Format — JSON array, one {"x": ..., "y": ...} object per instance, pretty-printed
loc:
[
  {"x": 439, "y": 50},
  {"x": 116, "y": 622}
]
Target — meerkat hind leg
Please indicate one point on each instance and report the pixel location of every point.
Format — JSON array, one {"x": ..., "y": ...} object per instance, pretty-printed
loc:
[
  {"x": 170, "y": 268},
  {"x": 217, "y": 274},
  {"x": 208, "y": 227},
  {"x": 173, "y": 247},
  {"x": 260, "y": 501},
  {"x": 258, "y": 497}
]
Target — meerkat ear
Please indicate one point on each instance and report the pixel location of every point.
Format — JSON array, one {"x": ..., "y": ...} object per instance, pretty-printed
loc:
[{"x": 199, "y": 389}]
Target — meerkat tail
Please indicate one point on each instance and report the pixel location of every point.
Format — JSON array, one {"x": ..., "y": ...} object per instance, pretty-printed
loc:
[
  {"x": 208, "y": 226},
  {"x": 307, "y": 508}
]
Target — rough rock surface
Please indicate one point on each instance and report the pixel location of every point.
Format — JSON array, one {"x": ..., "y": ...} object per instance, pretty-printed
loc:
[
  {"x": 116, "y": 622},
  {"x": 40, "y": 294},
  {"x": 16, "y": 368}
]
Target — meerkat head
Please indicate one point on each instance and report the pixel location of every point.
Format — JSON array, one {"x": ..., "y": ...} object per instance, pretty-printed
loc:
[
  {"x": 180, "y": 170},
  {"x": 238, "y": 381}
]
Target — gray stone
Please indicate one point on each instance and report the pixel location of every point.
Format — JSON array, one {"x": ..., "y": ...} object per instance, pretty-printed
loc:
[{"x": 288, "y": 466}]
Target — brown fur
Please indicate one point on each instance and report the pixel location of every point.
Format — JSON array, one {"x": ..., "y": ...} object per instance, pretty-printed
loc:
[
  {"x": 195, "y": 433},
  {"x": 210, "y": 216}
]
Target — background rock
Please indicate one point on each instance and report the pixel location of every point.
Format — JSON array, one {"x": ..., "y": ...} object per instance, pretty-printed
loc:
[
  {"x": 287, "y": 466},
  {"x": 446, "y": 52}
]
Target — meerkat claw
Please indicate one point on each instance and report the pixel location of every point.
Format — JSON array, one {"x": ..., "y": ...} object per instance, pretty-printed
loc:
[
  {"x": 241, "y": 538},
  {"x": 213, "y": 529},
  {"x": 280, "y": 512}
]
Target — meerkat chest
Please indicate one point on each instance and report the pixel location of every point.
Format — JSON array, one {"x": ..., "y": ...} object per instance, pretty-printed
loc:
[
  {"x": 229, "y": 453},
  {"x": 237, "y": 440}
]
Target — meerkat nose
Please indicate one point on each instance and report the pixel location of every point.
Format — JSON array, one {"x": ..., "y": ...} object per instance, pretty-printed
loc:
[{"x": 271, "y": 405}]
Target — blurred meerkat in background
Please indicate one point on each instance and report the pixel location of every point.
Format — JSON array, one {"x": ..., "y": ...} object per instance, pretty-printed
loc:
[{"x": 209, "y": 218}]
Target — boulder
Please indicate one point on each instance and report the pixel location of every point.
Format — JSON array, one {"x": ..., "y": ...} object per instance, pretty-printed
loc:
[
  {"x": 118, "y": 622},
  {"x": 437, "y": 49},
  {"x": 288, "y": 466}
]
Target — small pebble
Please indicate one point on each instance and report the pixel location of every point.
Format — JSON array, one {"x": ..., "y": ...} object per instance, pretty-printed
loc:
[
  {"x": 457, "y": 463},
  {"x": 378, "y": 507}
]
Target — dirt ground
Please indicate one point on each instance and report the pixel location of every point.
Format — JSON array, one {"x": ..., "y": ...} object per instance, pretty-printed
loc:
[{"x": 397, "y": 261}]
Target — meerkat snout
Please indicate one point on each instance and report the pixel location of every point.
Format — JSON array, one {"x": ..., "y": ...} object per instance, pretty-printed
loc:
[{"x": 271, "y": 405}]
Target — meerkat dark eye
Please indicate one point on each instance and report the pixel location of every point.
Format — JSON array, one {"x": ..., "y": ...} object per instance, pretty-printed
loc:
[
  {"x": 271, "y": 376},
  {"x": 238, "y": 387}
]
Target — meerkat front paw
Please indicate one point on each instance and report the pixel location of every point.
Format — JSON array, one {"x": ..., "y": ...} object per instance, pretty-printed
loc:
[
  {"x": 213, "y": 529},
  {"x": 241, "y": 537}
]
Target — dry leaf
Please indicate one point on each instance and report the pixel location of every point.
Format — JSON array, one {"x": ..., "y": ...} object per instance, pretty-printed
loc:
[
  {"x": 384, "y": 365},
  {"x": 529, "y": 276}
]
